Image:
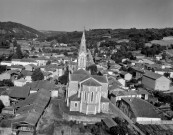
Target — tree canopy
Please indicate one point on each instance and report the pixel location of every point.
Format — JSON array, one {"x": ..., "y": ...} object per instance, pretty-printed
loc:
[{"x": 37, "y": 75}]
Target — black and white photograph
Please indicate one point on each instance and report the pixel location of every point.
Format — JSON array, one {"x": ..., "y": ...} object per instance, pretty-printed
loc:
[{"x": 86, "y": 67}]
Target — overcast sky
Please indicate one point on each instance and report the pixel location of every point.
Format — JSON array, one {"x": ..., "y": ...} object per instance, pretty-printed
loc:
[{"x": 71, "y": 15}]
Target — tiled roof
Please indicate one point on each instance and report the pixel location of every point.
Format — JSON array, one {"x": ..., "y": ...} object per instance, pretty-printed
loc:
[
  {"x": 19, "y": 92},
  {"x": 152, "y": 75},
  {"x": 91, "y": 82},
  {"x": 26, "y": 73},
  {"x": 32, "y": 65},
  {"x": 81, "y": 71},
  {"x": 16, "y": 66},
  {"x": 101, "y": 79},
  {"x": 13, "y": 72},
  {"x": 77, "y": 77},
  {"x": 41, "y": 84},
  {"x": 109, "y": 122},
  {"x": 28, "y": 60},
  {"x": 141, "y": 108},
  {"x": 164, "y": 70}
]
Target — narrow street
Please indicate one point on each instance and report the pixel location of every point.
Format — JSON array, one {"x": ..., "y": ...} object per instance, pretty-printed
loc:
[{"x": 118, "y": 112}]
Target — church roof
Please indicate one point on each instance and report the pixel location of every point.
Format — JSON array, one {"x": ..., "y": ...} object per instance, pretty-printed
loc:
[
  {"x": 77, "y": 77},
  {"x": 75, "y": 98},
  {"x": 101, "y": 79},
  {"x": 91, "y": 82},
  {"x": 81, "y": 71}
]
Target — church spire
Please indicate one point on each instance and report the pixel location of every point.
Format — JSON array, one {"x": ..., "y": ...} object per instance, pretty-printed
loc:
[
  {"x": 82, "y": 56},
  {"x": 83, "y": 43}
]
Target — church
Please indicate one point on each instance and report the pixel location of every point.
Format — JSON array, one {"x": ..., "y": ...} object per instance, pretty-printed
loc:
[{"x": 87, "y": 93}]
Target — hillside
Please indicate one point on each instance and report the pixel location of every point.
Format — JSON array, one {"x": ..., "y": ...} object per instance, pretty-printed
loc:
[{"x": 19, "y": 31}]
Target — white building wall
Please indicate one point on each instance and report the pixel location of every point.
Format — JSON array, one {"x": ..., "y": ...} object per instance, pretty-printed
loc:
[
  {"x": 147, "y": 120},
  {"x": 5, "y": 100}
]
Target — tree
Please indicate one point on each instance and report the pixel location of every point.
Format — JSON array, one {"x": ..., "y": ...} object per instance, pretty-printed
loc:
[
  {"x": 2, "y": 68},
  {"x": 32, "y": 48},
  {"x": 48, "y": 62},
  {"x": 18, "y": 54},
  {"x": 1, "y": 106},
  {"x": 92, "y": 69},
  {"x": 40, "y": 50},
  {"x": 171, "y": 105},
  {"x": 64, "y": 78},
  {"x": 167, "y": 74},
  {"x": 37, "y": 75}
]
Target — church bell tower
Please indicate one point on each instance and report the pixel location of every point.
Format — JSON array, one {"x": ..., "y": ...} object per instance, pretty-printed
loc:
[{"x": 82, "y": 56}]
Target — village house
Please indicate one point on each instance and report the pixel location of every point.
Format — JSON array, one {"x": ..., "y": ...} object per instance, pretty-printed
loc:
[
  {"x": 6, "y": 63},
  {"x": 115, "y": 67},
  {"x": 35, "y": 86},
  {"x": 18, "y": 93},
  {"x": 158, "y": 57},
  {"x": 5, "y": 76},
  {"x": 86, "y": 93},
  {"x": 153, "y": 81},
  {"x": 29, "y": 111},
  {"x": 163, "y": 71},
  {"x": 19, "y": 82},
  {"x": 126, "y": 76},
  {"x": 137, "y": 72},
  {"x": 11, "y": 74},
  {"x": 23, "y": 62},
  {"x": 139, "y": 110},
  {"x": 26, "y": 75},
  {"x": 4, "y": 97},
  {"x": 119, "y": 93},
  {"x": 55, "y": 70},
  {"x": 122, "y": 81},
  {"x": 16, "y": 67},
  {"x": 30, "y": 67},
  {"x": 41, "y": 61}
]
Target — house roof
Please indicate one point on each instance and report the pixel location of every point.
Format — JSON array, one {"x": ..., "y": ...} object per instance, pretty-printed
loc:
[
  {"x": 124, "y": 73},
  {"x": 81, "y": 71},
  {"x": 39, "y": 98},
  {"x": 109, "y": 122},
  {"x": 91, "y": 82},
  {"x": 164, "y": 70},
  {"x": 17, "y": 66},
  {"x": 152, "y": 75},
  {"x": 141, "y": 108},
  {"x": 35, "y": 85},
  {"x": 26, "y": 73},
  {"x": 28, "y": 60},
  {"x": 19, "y": 92},
  {"x": 13, "y": 72},
  {"x": 77, "y": 77},
  {"x": 102, "y": 79},
  {"x": 31, "y": 65}
]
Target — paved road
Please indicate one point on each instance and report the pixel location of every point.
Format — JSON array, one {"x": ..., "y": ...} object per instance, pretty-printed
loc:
[{"x": 116, "y": 110}]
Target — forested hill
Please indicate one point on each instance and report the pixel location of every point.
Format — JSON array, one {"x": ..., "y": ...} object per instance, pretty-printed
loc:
[
  {"x": 19, "y": 31},
  {"x": 135, "y": 36}
]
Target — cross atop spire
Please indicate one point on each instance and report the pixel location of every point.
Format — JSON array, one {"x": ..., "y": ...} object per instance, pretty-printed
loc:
[{"x": 83, "y": 43}]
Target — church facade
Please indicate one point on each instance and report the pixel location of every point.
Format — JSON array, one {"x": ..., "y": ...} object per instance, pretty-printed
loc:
[{"x": 87, "y": 93}]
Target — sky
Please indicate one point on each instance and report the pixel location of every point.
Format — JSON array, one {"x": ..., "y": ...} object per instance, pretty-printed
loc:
[{"x": 71, "y": 15}]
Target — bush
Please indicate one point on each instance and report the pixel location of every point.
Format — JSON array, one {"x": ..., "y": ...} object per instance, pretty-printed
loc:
[{"x": 37, "y": 75}]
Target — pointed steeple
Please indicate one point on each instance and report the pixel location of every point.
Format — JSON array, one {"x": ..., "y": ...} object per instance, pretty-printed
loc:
[
  {"x": 82, "y": 56},
  {"x": 83, "y": 44}
]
